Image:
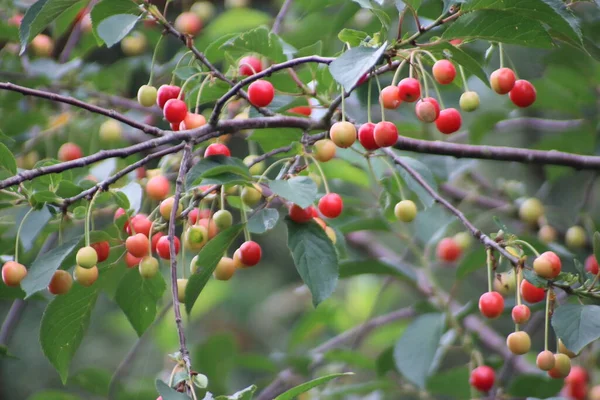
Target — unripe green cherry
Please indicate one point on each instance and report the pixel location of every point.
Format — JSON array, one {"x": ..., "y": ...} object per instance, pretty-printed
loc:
[
  {"x": 504, "y": 283},
  {"x": 463, "y": 240},
  {"x": 193, "y": 266},
  {"x": 575, "y": 237},
  {"x": 110, "y": 131},
  {"x": 181, "y": 285},
  {"x": 469, "y": 101},
  {"x": 86, "y": 257},
  {"x": 343, "y": 134},
  {"x": 562, "y": 366},
  {"x": 257, "y": 168},
  {"x": 518, "y": 342},
  {"x": 147, "y": 95},
  {"x": 405, "y": 211},
  {"x": 223, "y": 219},
  {"x": 531, "y": 210},
  {"x": 148, "y": 267},
  {"x": 195, "y": 237},
  {"x": 251, "y": 196},
  {"x": 545, "y": 360}
]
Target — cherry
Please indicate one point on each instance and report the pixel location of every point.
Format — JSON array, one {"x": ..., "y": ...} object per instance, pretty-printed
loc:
[
  {"x": 237, "y": 261},
  {"x": 594, "y": 393},
  {"x": 188, "y": 23},
  {"x": 140, "y": 224},
  {"x": 251, "y": 195},
  {"x": 300, "y": 215},
  {"x": 250, "y": 65},
  {"x": 545, "y": 360},
  {"x": 69, "y": 152},
  {"x": 331, "y": 205},
  {"x": 523, "y": 94},
  {"x": 225, "y": 269},
  {"x": 131, "y": 260},
  {"x": 331, "y": 234},
  {"x": 464, "y": 240},
  {"x": 518, "y": 342},
  {"x": 324, "y": 150},
  {"x": 406, "y": 210},
  {"x": 578, "y": 376},
  {"x": 366, "y": 136},
  {"x": 449, "y": 121},
  {"x": 531, "y": 293},
  {"x": 137, "y": 245},
  {"x": 390, "y": 97},
  {"x": 110, "y": 131},
  {"x": 250, "y": 253},
  {"x": 175, "y": 111},
  {"x": 520, "y": 314},
  {"x": 42, "y": 45},
  {"x": 319, "y": 221},
  {"x": 385, "y": 134},
  {"x": 482, "y": 378},
  {"x": 261, "y": 93},
  {"x": 175, "y": 126},
  {"x": 547, "y": 234},
  {"x": 343, "y": 134},
  {"x": 102, "y": 250},
  {"x": 194, "y": 214},
  {"x": 591, "y": 265},
  {"x": 531, "y": 210},
  {"x": 166, "y": 206},
  {"x": 203, "y": 9},
  {"x": 60, "y": 283},
  {"x": 195, "y": 237},
  {"x": 158, "y": 187},
  {"x": 563, "y": 350},
  {"x": 562, "y": 367},
  {"x": 444, "y": 72},
  {"x": 210, "y": 225},
  {"x": 15, "y": 20},
  {"x": 502, "y": 80},
  {"x": 547, "y": 265},
  {"x": 314, "y": 212},
  {"x": 448, "y": 250},
  {"x": 162, "y": 247},
  {"x": 166, "y": 93},
  {"x": 409, "y": 90},
  {"x": 217, "y": 149},
  {"x": 86, "y": 257},
  {"x": 192, "y": 121},
  {"x": 491, "y": 304},
  {"x": 362, "y": 79},
  {"x": 13, "y": 273},
  {"x": 574, "y": 392},
  {"x": 134, "y": 44},
  {"x": 181, "y": 285},
  {"x": 155, "y": 238},
  {"x": 147, "y": 95},
  {"x": 85, "y": 276},
  {"x": 469, "y": 101},
  {"x": 148, "y": 267},
  {"x": 427, "y": 109},
  {"x": 255, "y": 168},
  {"x": 302, "y": 110},
  {"x": 223, "y": 219},
  {"x": 575, "y": 237}
]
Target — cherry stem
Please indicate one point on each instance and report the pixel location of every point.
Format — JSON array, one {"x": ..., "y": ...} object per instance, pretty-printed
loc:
[
  {"x": 177, "y": 65},
  {"x": 437, "y": 90},
  {"x": 489, "y": 268},
  {"x": 150, "y": 238},
  {"x": 89, "y": 218},
  {"x": 188, "y": 81},
  {"x": 395, "y": 175},
  {"x": 501, "y": 51},
  {"x": 19, "y": 234},
  {"x": 252, "y": 150},
  {"x": 247, "y": 237},
  {"x": 464, "y": 78},
  {"x": 249, "y": 66},
  {"x": 425, "y": 84},
  {"x": 369, "y": 90},
  {"x": 270, "y": 167},
  {"x": 320, "y": 172},
  {"x": 524, "y": 243},
  {"x": 411, "y": 68},
  {"x": 397, "y": 73},
  {"x": 343, "y": 105},
  {"x": 154, "y": 60},
  {"x": 547, "y": 322},
  {"x": 222, "y": 198},
  {"x": 518, "y": 284},
  {"x": 478, "y": 358},
  {"x": 380, "y": 99},
  {"x": 429, "y": 54},
  {"x": 199, "y": 93}
]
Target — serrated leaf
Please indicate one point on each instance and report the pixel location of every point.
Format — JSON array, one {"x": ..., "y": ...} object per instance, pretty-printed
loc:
[
  {"x": 64, "y": 324},
  {"x": 352, "y": 37},
  {"x": 138, "y": 296},
  {"x": 7, "y": 160},
  {"x": 207, "y": 261},
  {"x": 106, "y": 9},
  {"x": 263, "y": 220},
  {"x": 168, "y": 393},
  {"x": 534, "y": 279},
  {"x": 315, "y": 258},
  {"x": 114, "y": 28},
  {"x": 40, "y": 15},
  {"x": 305, "y": 387},
  {"x": 121, "y": 200},
  {"x": 244, "y": 394},
  {"x": 260, "y": 41},
  {"x": 300, "y": 190},
  {"x": 576, "y": 325},
  {"x": 351, "y": 66},
  {"x": 217, "y": 169}
]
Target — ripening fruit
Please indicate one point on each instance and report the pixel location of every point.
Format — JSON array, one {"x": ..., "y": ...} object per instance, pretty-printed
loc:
[
  {"x": 591, "y": 264},
  {"x": 409, "y": 90},
  {"x": 256, "y": 168},
  {"x": 223, "y": 219},
  {"x": 547, "y": 265},
  {"x": 532, "y": 294},
  {"x": 195, "y": 237},
  {"x": 210, "y": 226},
  {"x": 194, "y": 214},
  {"x": 469, "y": 101},
  {"x": 158, "y": 187},
  {"x": 578, "y": 376},
  {"x": 491, "y": 304},
  {"x": 193, "y": 266},
  {"x": 594, "y": 393},
  {"x": 449, "y": 121},
  {"x": 520, "y": 314},
  {"x": 166, "y": 93},
  {"x": 110, "y": 131},
  {"x": 42, "y": 45},
  {"x": 300, "y": 215},
  {"x": 385, "y": 134},
  {"x": 69, "y": 152},
  {"x": 563, "y": 350},
  {"x": 302, "y": 110},
  {"x": 250, "y": 253},
  {"x": 444, "y": 72},
  {"x": 319, "y": 221},
  {"x": 504, "y": 283},
  {"x": 366, "y": 136},
  {"x": 518, "y": 342},
  {"x": 324, "y": 150},
  {"x": 531, "y": 210},
  {"x": 217, "y": 149},
  {"x": 547, "y": 234},
  {"x": 192, "y": 121},
  {"x": 175, "y": 111},
  {"x": 86, "y": 257},
  {"x": 261, "y": 93},
  {"x": 148, "y": 267},
  {"x": 463, "y": 240},
  {"x": 225, "y": 269},
  {"x": 575, "y": 237},
  {"x": 562, "y": 367},
  {"x": 343, "y": 134},
  {"x": 448, "y": 250},
  {"x": 502, "y": 80},
  {"x": 166, "y": 207},
  {"x": 237, "y": 261},
  {"x": 545, "y": 360},
  {"x": 405, "y": 210},
  {"x": 482, "y": 378},
  {"x": 85, "y": 276},
  {"x": 331, "y": 234},
  {"x": 203, "y": 9},
  {"x": 250, "y": 65},
  {"x": 188, "y": 23},
  {"x": 390, "y": 97},
  {"x": 140, "y": 224},
  {"x": 523, "y": 94},
  {"x": 13, "y": 273},
  {"x": 181, "y": 285},
  {"x": 427, "y": 109},
  {"x": 251, "y": 195},
  {"x": 134, "y": 44},
  {"x": 146, "y": 95},
  {"x": 331, "y": 205},
  {"x": 60, "y": 283},
  {"x": 162, "y": 247},
  {"x": 137, "y": 245},
  {"x": 132, "y": 260}
]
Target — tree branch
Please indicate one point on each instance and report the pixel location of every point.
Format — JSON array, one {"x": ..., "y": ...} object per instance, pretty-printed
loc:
[
  {"x": 281, "y": 16},
  {"x": 479, "y": 200}
]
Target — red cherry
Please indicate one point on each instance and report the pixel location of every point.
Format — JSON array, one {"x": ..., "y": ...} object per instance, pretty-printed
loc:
[
  {"x": 176, "y": 127},
  {"x": 188, "y": 23},
  {"x": 390, "y": 97},
  {"x": 217, "y": 149},
  {"x": 140, "y": 224},
  {"x": 575, "y": 392},
  {"x": 155, "y": 238},
  {"x": 166, "y": 93},
  {"x": 547, "y": 265},
  {"x": 192, "y": 121},
  {"x": 385, "y": 134},
  {"x": 302, "y": 110},
  {"x": 448, "y": 121},
  {"x": 102, "y": 249},
  {"x": 194, "y": 214},
  {"x": 482, "y": 378},
  {"x": 140, "y": 173},
  {"x": 331, "y": 205},
  {"x": 448, "y": 250},
  {"x": 578, "y": 376},
  {"x": 491, "y": 304},
  {"x": 314, "y": 212},
  {"x": 162, "y": 247},
  {"x": 502, "y": 80},
  {"x": 301, "y": 215},
  {"x": 409, "y": 90},
  {"x": 69, "y": 152},
  {"x": 520, "y": 314},
  {"x": 250, "y": 65},
  {"x": 362, "y": 79},
  {"x": 366, "y": 136},
  {"x": 435, "y": 104},
  {"x": 531, "y": 293},
  {"x": 523, "y": 94},
  {"x": 250, "y": 253},
  {"x": 131, "y": 260},
  {"x": 175, "y": 111},
  {"x": 137, "y": 245},
  {"x": 261, "y": 93},
  {"x": 158, "y": 187},
  {"x": 444, "y": 72},
  {"x": 591, "y": 265},
  {"x": 427, "y": 110}
]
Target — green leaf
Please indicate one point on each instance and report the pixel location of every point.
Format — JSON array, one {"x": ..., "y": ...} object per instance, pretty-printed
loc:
[
  {"x": 137, "y": 297},
  {"x": 343, "y": 170},
  {"x": 315, "y": 258},
  {"x": 4, "y": 353},
  {"x": 534, "y": 279},
  {"x": 217, "y": 168},
  {"x": 414, "y": 4},
  {"x": 133, "y": 191},
  {"x": 577, "y": 325},
  {"x": 186, "y": 72},
  {"x": 501, "y": 26},
  {"x": 7, "y": 160},
  {"x": 214, "y": 52},
  {"x": 40, "y": 15},
  {"x": 274, "y": 138},
  {"x": 413, "y": 185},
  {"x": 474, "y": 261},
  {"x": 362, "y": 224},
  {"x": 41, "y": 271},
  {"x": 415, "y": 350},
  {"x": 167, "y": 393},
  {"x": 597, "y": 245},
  {"x": 459, "y": 56},
  {"x": 305, "y": 387},
  {"x": 352, "y": 37},
  {"x": 121, "y": 200},
  {"x": 263, "y": 220},
  {"x": 244, "y": 394},
  {"x": 93, "y": 380},
  {"x": 260, "y": 41},
  {"x": 300, "y": 190},
  {"x": 53, "y": 395},
  {"x": 351, "y": 66},
  {"x": 454, "y": 382},
  {"x": 377, "y": 267},
  {"x": 64, "y": 324},
  {"x": 534, "y": 385},
  {"x": 208, "y": 258},
  {"x": 117, "y": 15}
]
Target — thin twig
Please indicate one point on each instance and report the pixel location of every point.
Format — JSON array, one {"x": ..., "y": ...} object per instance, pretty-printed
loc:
[{"x": 281, "y": 16}]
